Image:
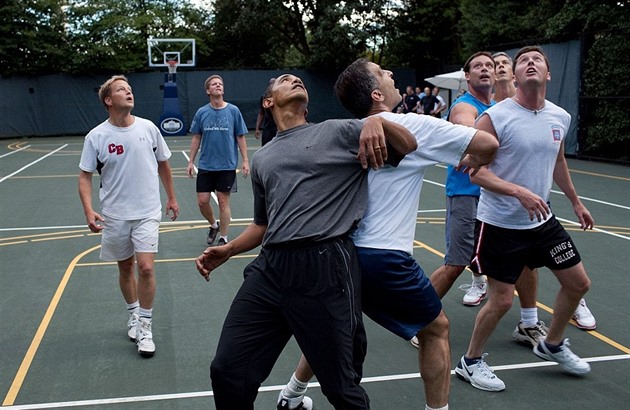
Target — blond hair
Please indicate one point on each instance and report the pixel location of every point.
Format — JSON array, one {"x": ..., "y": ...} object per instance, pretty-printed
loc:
[
  {"x": 212, "y": 77},
  {"x": 106, "y": 88}
]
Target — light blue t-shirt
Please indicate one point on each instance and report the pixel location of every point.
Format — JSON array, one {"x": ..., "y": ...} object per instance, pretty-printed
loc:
[
  {"x": 458, "y": 183},
  {"x": 219, "y": 129}
]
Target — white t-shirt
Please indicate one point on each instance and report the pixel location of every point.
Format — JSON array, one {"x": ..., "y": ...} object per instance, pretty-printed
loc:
[
  {"x": 394, "y": 192},
  {"x": 127, "y": 160},
  {"x": 529, "y": 142}
]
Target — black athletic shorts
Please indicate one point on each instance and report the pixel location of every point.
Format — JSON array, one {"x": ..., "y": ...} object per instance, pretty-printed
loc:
[
  {"x": 502, "y": 253},
  {"x": 220, "y": 181}
]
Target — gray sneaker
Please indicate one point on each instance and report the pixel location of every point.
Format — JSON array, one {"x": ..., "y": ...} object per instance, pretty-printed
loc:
[
  {"x": 568, "y": 360},
  {"x": 530, "y": 335},
  {"x": 212, "y": 234},
  {"x": 479, "y": 375}
]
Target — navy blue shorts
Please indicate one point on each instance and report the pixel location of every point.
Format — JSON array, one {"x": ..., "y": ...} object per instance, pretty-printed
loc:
[
  {"x": 395, "y": 292},
  {"x": 219, "y": 181},
  {"x": 503, "y": 253}
]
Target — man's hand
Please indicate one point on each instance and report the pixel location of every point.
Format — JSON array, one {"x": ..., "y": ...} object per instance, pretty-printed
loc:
[
  {"x": 190, "y": 170},
  {"x": 372, "y": 146},
  {"x": 469, "y": 164},
  {"x": 172, "y": 206},
  {"x": 584, "y": 216},
  {"x": 210, "y": 259},
  {"x": 535, "y": 205},
  {"x": 245, "y": 169},
  {"x": 94, "y": 221}
]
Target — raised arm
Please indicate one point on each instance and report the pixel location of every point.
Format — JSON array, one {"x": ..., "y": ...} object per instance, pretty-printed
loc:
[{"x": 383, "y": 140}]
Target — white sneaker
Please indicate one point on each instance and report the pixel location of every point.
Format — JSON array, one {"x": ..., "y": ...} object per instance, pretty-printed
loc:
[
  {"x": 144, "y": 338},
  {"x": 479, "y": 375},
  {"x": 132, "y": 323},
  {"x": 583, "y": 317},
  {"x": 294, "y": 403},
  {"x": 568, "y": 360},
  {"x": 475, "y": 293}
]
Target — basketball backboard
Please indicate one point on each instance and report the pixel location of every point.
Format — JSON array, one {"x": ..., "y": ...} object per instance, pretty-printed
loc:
[{"x": 163, "y": 50}]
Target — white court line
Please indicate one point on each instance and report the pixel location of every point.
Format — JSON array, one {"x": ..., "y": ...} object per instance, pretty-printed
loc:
[
  {"x": 165, "y": 223},
  {"x": 209, "y": 393},
  {"x": 583, "y": 198},
  {"x": 33, "y": 163},
  {"x": 13, "y": 152},
  {"x": 212, "y": 194}
]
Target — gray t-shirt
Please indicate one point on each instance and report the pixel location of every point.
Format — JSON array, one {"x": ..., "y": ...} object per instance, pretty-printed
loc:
[{"x": 308, "y": 183}]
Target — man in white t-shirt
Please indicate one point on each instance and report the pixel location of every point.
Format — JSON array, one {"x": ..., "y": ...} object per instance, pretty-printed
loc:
[{"x": 131, "y": 157}]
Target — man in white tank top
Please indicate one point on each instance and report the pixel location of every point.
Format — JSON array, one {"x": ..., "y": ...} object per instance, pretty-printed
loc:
[{"x": 515, "y": 226}]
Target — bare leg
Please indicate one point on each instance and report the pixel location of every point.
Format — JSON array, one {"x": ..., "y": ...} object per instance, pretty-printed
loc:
[
  {"x": 574, "y": 283},
  {"x": 434, "y": 360},
  {"x": 146, "y": 279},
  {"x": 203, "y": 201},
  {"x": 127, "y": 280},
  {"x": 527, "y": 287},
  {"x": 498, "y": 303},
  {"x": 444, "y": 277},
  {"x": 225, "y": 212}
]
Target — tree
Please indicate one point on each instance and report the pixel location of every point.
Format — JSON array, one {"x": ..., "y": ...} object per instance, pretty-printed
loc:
[
  {"x": 320, "y": 34},
  {"x": 111, "y": 35},
  {"x": 606, "y": 79},
  {"x": 33, "y": 39}
]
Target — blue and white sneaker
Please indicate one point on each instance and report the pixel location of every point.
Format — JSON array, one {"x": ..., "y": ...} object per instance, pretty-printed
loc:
[{"x": 479, "y": 375}]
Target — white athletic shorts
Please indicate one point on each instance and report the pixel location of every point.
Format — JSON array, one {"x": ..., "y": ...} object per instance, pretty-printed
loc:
[{"x": 121, "y": 239}]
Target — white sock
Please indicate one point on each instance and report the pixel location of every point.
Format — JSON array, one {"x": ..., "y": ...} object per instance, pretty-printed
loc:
[
  {"x": 215, "y": 225},
  {"x": 146, "y": 313},
  {"x": 426, "y": 407},
  {"x": 529, "y": 316},
  {"x": 224, "y": 238},
  {"x": 133, "y": 307},
  {"x": 294, "y": 388}
]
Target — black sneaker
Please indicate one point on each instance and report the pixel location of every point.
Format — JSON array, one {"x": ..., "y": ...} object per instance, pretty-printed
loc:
[
  {"x": 212, "y": 234},
  {"x": 222, "y": 242}
]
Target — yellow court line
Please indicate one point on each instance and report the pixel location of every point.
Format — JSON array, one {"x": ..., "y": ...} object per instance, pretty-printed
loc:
[
  {"x": 600, "y": 175},
  {"x": 545, "y": 308},
  {"x": 39, "y": 335}
]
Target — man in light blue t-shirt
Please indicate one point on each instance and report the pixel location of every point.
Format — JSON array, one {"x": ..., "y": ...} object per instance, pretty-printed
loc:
[{"x": 219, "y": 130}]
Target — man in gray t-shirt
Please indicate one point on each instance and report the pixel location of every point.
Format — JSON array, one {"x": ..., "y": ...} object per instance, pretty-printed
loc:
[{"x": 310, "y": 192}]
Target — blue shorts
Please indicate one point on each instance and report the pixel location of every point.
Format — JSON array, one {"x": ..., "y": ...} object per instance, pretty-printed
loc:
[{"x": 395, "y": 292}]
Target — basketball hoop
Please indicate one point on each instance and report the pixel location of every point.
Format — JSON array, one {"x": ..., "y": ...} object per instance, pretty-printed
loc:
[{"x": 172, "y": 66}]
